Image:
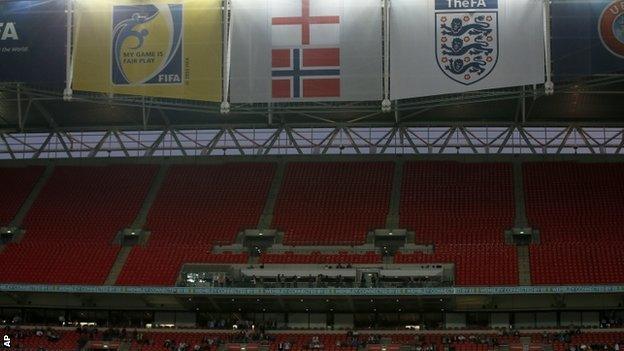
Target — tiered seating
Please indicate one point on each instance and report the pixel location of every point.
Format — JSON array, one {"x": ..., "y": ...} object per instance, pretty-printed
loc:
[
  {"x": 68, "y": 341},
  {"x": 464, "y": 210},
  {"x": 475, "y": 264},
  {"x": 604, "y": 338},
  {"x": 197, "y": 207},
  {"x": 319, "y": 258},
  {"x": 333, "y": 203},
  {"x": 71, "y": 225},
  {"x": 15, "y": 186},
  {"x": 578, "y": 210}
]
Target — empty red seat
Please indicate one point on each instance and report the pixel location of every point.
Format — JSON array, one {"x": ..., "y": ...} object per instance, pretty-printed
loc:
[
  {"x": 333, "y": 203},
  {"x": 463, "y": 209},
  {"x": 71, "y": 225},
  {"x": 197, "y": 207},
  {"x": 577, "y": 208},
  {"x": 15, "y": 186}
]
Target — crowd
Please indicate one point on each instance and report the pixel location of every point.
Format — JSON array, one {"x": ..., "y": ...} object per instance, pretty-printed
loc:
[
  {"x": 245, "y": 336},
  {"x": 17, "y": 333}
]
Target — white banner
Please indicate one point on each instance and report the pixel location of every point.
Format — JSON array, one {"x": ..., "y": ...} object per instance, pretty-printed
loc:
[
  {"x": 306, "y": 50},
  {"x": 454, "y": 46}
]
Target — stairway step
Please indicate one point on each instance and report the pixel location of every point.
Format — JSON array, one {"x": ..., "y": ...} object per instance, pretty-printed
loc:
[
  {"x": 120, "y": 261},
  {"x": 266, "y": 218},
  {"x": 30, "y": 200}
]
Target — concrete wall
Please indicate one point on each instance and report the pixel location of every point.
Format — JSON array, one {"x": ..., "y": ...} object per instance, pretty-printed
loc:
[
  {"x": 546, "y": 319},
  {"x": 499, "y": 320},
  {"x": 343, "y": 321},
  {"x": 307, "y": 320},
  {"x": 455, "y": 320}
]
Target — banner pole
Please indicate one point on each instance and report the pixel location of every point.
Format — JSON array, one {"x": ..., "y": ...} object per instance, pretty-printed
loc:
[
  {"x": 386, "y": 105},
  {"x": 225, "y": 105},
  {"x": 549, "y": 86},
  {"x": 67, "y": 93}
]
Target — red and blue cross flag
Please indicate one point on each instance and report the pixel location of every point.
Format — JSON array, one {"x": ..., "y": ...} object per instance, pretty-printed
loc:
[{"x": 305, "y": 55}]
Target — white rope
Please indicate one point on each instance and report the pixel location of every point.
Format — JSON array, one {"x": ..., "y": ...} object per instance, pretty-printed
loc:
[
  {"x": 227, "y": 35},
  {"x": 549, "y": 86},
  {"x": 386, "y": 105},
  {"x": 69, "y": 62}
]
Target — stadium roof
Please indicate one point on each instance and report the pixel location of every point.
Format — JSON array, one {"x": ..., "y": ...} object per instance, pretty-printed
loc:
[{"x": 592, "y": 101}]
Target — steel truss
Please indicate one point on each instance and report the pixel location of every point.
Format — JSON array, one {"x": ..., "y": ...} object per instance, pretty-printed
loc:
[{"x": 296, "y": 140}]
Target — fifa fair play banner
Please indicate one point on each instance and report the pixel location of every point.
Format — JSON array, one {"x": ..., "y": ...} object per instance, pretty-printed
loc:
[
  {"x": 32, "y": 41},
  {"x": 306, "y": 50},
  {"x": 587, "y": 37},
  {"x": 454, "y": 46},
  {"x": 160, "y": 48}
]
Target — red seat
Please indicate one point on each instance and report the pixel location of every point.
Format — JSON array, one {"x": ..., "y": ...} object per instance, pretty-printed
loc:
[
  {"x": 197, "y": 207},
  {"x": 578, "y": 209},
  {"x": 333, "y": 203},
  {"x": 463, "y": 209},
  {"x": 71, "y": 225}
]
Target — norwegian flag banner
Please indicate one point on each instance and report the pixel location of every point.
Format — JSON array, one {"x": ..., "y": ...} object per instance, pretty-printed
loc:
[
  {"x": 306, "y": 50},
  {"x": 455, "y": 46}
]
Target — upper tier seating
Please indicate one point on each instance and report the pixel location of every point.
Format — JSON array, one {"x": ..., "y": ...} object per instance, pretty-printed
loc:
[
  {"x": 71, "y": 225},
  {"x": 198, "y": 206},
  {"x": 15, "y": 186},
  {"x": 464, "y": 209},
  {"x": 333, "y": 203},
  {"x": 475, "y": 264},
  {"x": 578, "y": 210}
]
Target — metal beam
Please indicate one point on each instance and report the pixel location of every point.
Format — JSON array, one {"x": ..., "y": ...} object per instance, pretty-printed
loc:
[
  {"x": 43, "y": 146},
  {"x": 8, "y": 147},
  {"x": 98, "y": 146},
  {"x": 150, "y": 151}
]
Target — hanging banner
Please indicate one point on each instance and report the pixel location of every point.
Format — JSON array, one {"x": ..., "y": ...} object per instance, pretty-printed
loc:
[
  {"x": 454, "y": 46},
  {"x": 306, "y": 50},
  {"x": 160, "y": 48},
  {"x": 32, "y": 41},
  {"x": 587, "y": 37}
]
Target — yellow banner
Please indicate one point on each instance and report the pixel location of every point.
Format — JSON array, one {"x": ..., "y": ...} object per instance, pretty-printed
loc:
[{"x": 161, "y": 48}]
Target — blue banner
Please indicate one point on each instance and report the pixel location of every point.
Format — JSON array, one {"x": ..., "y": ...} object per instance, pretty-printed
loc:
[
  {"x": 32, "y": 41},
  {"x": 587, "y": 38}
]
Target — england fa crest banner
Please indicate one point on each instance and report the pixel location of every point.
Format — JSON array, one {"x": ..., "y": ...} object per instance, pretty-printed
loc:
[
  {"x": 454, "y": 46},
  {"x": 160, "y": 48},
  {"x": 306, "y": 50}
]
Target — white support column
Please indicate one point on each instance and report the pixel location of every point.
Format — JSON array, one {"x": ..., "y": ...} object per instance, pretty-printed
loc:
[
  {"x": 69, "y": 12},
  {"x": 386, "y": 104},
  {"x": 549, "y": 86},
  {"x": 225, "y": 104}
]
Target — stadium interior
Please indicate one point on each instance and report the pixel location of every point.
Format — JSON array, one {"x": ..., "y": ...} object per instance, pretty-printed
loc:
[{"x": 485, "y": 220}]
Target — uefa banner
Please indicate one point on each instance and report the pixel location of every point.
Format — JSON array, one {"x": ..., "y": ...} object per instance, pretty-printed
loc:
[
  {"x": 454, "y": 46},
  {"x": 587, "y": 37},
  {"x": 160, "y": 48},
  {"x": 306, "y": 50},
  {"x": 32, "y": 41}
]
